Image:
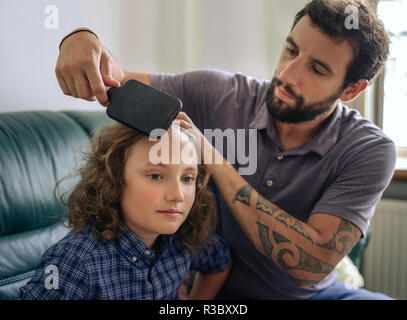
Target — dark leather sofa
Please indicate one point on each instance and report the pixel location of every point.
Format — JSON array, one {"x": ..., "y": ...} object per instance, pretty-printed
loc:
[{"x": 38, "y": 149}]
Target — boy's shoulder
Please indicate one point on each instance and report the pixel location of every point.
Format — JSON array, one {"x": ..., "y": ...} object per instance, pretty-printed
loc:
[{"x": 79, "y": 243}]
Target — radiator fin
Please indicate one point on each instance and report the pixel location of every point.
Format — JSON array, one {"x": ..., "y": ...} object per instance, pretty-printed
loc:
[{"x": 385, "y": 259}]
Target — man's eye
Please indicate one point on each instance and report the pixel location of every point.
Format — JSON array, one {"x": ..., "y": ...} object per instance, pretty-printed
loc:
[
  {"x": 291, "y": 51},
  {"x": 317, "y": 71}
]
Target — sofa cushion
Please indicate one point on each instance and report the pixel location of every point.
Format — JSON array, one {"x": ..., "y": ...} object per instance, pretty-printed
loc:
[
  {"x": 22, "y": 253},
  {"x": 38, "y": 149},
  {"x": 89, "y": 121}
]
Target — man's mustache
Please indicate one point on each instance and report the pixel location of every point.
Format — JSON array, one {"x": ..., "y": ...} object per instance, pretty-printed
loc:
[{"x": 278, "y": 83}]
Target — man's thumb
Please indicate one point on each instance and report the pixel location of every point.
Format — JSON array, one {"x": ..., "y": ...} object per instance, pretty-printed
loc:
[
  {"x": 106, "y": 64},
  {"x": 109, "y": 81}
]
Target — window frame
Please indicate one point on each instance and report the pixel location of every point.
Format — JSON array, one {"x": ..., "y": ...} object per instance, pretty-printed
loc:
[{"x": 378, "y": 110}]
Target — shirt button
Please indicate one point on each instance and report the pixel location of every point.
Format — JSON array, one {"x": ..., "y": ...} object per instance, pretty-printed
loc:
[
  {"x": 280, "y": 157},
  {"x": 134, "y": 259},
  {"x": 269, "y": 183},
  {"x": 147, "y": 252}
]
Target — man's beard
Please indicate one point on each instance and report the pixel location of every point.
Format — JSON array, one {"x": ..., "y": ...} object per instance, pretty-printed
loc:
[{"x": 300, "y": 112}]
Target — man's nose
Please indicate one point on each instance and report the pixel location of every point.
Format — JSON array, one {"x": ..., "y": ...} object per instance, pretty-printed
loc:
[
  {"x": 290, "y": 73},
  {"x": 174, "y": 192}
]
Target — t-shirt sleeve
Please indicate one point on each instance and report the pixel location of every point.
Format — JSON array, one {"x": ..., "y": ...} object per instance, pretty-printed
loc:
[
  {"x": 199, "y": 90},
  {"x": 59, "y": 276},
  {"x": 210, "y": 97},
  {"x": 359, "y": 185},
  {"x": 214, "y": 258}
]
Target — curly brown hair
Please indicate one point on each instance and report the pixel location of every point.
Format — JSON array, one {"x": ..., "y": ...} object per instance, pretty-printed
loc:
[{"x": 95, "y": 201}]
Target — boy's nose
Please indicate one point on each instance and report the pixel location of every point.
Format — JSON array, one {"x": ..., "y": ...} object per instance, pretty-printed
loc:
[{"x": 174, "y": 193}]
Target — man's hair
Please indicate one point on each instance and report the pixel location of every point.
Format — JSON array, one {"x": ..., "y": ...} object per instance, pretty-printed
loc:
[
  {"x": 95, "y": 201},
  {"x": 370, "y": 40}
]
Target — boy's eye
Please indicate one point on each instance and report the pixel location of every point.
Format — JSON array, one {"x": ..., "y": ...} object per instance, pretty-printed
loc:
[
  {"x": 188, "y": 179},
  {"x": 155, "y": 176}
]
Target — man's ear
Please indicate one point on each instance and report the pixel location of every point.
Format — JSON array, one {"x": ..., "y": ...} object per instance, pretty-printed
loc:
[{"x": 353, "y": 90}]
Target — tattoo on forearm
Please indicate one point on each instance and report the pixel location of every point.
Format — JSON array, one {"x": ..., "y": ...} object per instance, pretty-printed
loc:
[
  {"x": 289, "y": 256},
  {"x": 292, "y": 223},
  {"x": 306, "y": 261},
  {"x": 343, "y": 239},
  {"x": 243, "y": 195},
  {"x": 283, "y": 248},
  {"x": 264, "y": 207},
  {"x": 279, "y": 238},
  {"x": 265, "y": 239}
]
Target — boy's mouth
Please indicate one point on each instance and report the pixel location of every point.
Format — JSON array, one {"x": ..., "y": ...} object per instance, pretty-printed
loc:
[{"x": 170, "y": 212}]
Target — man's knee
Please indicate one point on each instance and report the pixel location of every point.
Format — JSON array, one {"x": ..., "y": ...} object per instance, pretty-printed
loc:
[
  {"x": 339, "y": 291},
  {"x": 362, "y": 294}
]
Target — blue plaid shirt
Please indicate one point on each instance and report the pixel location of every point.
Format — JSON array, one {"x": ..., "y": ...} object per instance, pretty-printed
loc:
[{"x": 87, "y": 268}]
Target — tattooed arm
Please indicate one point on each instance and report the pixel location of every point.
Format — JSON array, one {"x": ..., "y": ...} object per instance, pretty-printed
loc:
[{"x": 308, "y": 252}]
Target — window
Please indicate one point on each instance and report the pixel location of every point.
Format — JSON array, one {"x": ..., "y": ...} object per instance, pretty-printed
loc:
[{"x": 393, "y": 13}]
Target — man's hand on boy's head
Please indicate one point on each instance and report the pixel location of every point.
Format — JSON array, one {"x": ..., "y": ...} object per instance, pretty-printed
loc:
[
  {"x": 209, "y": 155},
  {"x": 85, "y": 66},
  {"x": 185, "y": 122}
]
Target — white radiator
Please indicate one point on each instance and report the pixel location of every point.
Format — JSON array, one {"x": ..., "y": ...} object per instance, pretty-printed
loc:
[{"x": 385, "y": 259}]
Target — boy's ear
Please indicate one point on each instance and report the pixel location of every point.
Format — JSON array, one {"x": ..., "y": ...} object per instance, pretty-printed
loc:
[{"x": 354, "y": 89}]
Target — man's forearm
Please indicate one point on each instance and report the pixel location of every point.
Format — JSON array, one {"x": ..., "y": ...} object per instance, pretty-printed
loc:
[
  {"x": 142, "y": 77},
  {"x": 294, "y": 246}
]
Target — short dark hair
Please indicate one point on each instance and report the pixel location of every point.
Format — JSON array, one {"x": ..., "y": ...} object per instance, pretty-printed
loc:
[{"x": 370, "y": 40}]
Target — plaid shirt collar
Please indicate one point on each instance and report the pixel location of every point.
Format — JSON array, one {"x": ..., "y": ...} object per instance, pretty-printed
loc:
[{"x": 133, "y": 248}]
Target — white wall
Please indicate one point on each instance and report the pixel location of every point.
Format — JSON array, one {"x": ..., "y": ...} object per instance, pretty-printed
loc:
[{"x": 144, "y": 35}]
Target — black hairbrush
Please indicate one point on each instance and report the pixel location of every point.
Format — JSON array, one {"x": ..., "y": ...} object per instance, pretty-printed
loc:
[{"x": 142, "y": 107}]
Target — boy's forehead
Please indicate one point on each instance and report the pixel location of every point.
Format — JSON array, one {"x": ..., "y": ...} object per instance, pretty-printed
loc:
[
  {"x": 169, "y": 166},
  {"x": 170, "y": 149}
]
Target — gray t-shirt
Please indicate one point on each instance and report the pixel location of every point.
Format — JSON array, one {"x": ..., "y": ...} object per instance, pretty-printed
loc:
[{"x": 343, "y": 171}]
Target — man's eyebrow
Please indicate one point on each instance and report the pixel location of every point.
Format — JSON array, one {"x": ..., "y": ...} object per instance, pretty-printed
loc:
[
  {"x": 324, "y": 65},
  {"x": 291, "y": 41}
]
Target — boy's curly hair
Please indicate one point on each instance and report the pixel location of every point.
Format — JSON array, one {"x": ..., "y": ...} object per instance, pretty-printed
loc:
[{"x": 95, "y": 201}]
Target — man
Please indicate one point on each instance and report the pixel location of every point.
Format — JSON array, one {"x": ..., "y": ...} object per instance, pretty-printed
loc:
[{"x": 321, "y": 168}]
